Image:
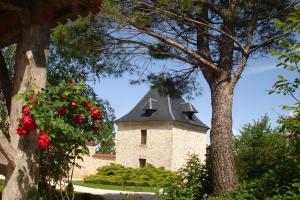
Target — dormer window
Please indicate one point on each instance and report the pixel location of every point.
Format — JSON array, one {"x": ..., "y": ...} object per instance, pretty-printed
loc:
[
  {"x": 189, "y": 115},
  {"x": 189, "y": 110},
  {"x": 149, "y": 107},
  {"x": 155, "y": 106}
]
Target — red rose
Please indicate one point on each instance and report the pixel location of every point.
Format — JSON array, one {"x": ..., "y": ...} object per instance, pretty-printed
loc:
[
  {"x": 90, "y": 107},
  {"x": 26, "y": 110},
  {"x": 62, "y": 112},
  {"x": 28, "y": 123},
  {"x": 96, "y": 114},
  {"x": 73, "y": 104},
  {"x": 78, "y": 119},
  {"x": 43, "y": 140},
  {"x": 84, "y": 104},
  {"x": 21, "y": 131},
  {"x": 95, "y": 127}
]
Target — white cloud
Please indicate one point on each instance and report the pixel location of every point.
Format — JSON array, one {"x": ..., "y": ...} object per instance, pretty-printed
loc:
[
  {"x": 259, "y": 69},
  {"x": 235, "y": 132}
]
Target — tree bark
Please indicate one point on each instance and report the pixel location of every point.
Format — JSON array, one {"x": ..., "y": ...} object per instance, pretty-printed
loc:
[
  {"x": 223, "y": 166},
  {"x": 31, "y": 61}
]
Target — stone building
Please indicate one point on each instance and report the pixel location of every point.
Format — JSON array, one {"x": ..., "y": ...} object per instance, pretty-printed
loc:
[{"x": 160, "y": 130}]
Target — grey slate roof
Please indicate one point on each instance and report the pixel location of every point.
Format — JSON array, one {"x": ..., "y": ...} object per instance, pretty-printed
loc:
[{"x": 156, "y": 107}]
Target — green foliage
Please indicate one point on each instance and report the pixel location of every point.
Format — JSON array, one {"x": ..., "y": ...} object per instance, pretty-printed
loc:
[
  {"x": 289, "y": 58},
  {"x": 68, "y": 136},
  {"x": 147, "y": 176},
  {"x": 258, "y": 149},
  {"x": 267, "y": 158},
  {"x": 3, "y": 116},
  {"x": 246, "y": 192},
  {"x": 106, "y": 139},
  {"x": 173, "y": 86},
  {"x": 81, "y": 50},
  {"x": 195, "y": 182},
  {"x": 9, "y": 54},
  {"x": 267, "y": 163},
  {"x": 156, "y": 29},
  {"x": 177, "y": 192}
]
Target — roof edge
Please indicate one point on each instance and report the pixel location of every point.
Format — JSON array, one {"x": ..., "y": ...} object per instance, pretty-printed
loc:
[{"x": 206, "y": 128}]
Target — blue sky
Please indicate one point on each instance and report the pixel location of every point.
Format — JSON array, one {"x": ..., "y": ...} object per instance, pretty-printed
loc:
[{"x": 251, "y": 100}]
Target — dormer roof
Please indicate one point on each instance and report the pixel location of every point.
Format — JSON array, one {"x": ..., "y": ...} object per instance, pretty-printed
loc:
[{"x": 157, "y": 107}]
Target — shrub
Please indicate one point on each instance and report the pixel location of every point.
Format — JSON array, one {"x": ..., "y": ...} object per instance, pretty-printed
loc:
[
  {"x": 116, "y": 174},
  {"x": 59, "y": 120},
  {"x": 195, "y": 182},
  {"x": 250, "y": 191},
  {"x": 266, "y": 161}
]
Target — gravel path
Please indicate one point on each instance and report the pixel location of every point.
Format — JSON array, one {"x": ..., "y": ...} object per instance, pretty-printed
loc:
[{"x": 115, "y": 194}]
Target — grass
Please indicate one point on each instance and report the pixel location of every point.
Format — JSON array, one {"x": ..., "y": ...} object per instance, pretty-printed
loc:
[{"x": 117, "y": 187}]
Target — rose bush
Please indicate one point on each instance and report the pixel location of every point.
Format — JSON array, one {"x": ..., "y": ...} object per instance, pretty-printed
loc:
[{"x": 63, "y": 118}]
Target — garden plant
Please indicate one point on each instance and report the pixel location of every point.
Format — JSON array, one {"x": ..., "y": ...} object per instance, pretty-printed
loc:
[{"x": 59, "y": 120}]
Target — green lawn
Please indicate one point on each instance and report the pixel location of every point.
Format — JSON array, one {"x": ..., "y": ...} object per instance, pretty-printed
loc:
[{"x": 117, "y": 187}]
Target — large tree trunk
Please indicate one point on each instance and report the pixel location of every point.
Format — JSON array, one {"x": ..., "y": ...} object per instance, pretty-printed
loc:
[
  {"x": 223, "y": 167},
  {"x": 31, "y": 61}
]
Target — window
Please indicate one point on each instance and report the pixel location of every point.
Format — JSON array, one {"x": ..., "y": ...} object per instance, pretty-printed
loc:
[
  {"x": 142, "y": 162},
  {"x": 143, "y": 136}
]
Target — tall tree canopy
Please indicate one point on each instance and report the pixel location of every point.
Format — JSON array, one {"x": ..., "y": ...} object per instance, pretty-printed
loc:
[{"x": 213, "y": 37}]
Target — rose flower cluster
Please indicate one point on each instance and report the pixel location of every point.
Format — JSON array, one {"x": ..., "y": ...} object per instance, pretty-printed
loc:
[
  {"x": 27, "y": 125},
  {"x": 95, "y": 113},
  {"x": 80, "y": 113}
]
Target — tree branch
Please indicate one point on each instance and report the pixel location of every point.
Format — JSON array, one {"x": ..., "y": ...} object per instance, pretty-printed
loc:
[
  {"x": 214, "y": 8},
  {"x": 179, "y": 46},
  {"x": 196, "y": 22},
  {"x": 276, "y": 15},
  {"x": 246, "y": 53},
  {"x": 180, "y": 58},
  {"x": 5, "y": 82},
  {"x": 262, "y": 44}
]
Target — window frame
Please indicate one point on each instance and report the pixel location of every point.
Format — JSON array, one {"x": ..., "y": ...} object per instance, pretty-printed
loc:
[
  {"x": 144, "y": 137},
  {"x": 142, "y": 162}
]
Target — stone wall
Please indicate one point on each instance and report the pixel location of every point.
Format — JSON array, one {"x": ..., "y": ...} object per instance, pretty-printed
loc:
[
  {"x": 92, "y": 162},
  {"x": 157, "y": 151},
  {"x": 168, "y": 143},
  {"x": 187, "y": 139}
]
